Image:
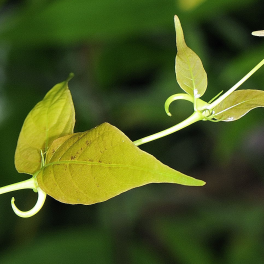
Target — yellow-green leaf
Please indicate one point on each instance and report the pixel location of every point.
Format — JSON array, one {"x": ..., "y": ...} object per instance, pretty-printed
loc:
[
  {"x": 238, "y": 103},
  {"x": 189, "y": 69},
  {"x": 51, "y": 118},
  {"x": 96, "y": 165}
]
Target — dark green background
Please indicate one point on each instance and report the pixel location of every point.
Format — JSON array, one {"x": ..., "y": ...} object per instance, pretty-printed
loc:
[{"x": 122, "y": 53}]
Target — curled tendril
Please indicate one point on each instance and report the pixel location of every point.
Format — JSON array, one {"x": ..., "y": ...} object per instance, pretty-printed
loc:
[
  {"x": 175, "y": 97},
  {"x": 28, "y": 184},
  {"x": 35, "y": 209},
  {"x": 203, "y": 109},
  {"x": 200, "y": 105}
]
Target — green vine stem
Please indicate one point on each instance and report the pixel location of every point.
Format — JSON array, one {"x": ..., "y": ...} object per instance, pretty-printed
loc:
[
  {"x": 196, "y": 116},
  {"x": 27, "y": 184},
  {"x": 232, "y": 89},
  {"x": 202, "y": 109},
  {"x": 201, "y": 113}
]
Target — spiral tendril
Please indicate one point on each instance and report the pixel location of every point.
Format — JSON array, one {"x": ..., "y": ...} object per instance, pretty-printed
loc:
[
  {"x": 175, "y": 97},
  {"x": 35, "y": 209}
]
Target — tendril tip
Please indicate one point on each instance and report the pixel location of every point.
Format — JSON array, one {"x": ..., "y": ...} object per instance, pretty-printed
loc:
[{"x": 34, "y": 210}]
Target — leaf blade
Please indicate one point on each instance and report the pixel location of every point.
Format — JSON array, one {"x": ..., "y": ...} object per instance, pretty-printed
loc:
[
  {"x": 98, "y": 164},
  {"x": 52, "y": 117},
  {"x": 238, "y": 104},
  {"x": 190, "y": 73}
]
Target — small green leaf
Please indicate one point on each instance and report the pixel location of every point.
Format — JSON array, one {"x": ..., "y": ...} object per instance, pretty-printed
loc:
[
  {"x": 238, "y": 103},
  {"x": 51, "y": 118},
  {"x": 96, "y": 165},
  {"x": 189, "y": 69}
]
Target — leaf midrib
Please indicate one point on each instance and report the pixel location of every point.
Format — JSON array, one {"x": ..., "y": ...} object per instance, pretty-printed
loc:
[
  {"x": 238, "y": 104},
  {"x": 93, "y": 163}
]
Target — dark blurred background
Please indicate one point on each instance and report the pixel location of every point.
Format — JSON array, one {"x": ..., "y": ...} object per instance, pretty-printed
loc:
[{"x": 122, "y": 53}]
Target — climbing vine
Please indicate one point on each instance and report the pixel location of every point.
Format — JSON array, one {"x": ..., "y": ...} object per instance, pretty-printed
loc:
[{"x": 93, "y": 166}]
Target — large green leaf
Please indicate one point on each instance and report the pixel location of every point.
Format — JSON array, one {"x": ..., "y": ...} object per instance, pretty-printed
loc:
[
  {"x": 238, "y": 103},
  {"x": 51, "y": 118},
  {"x": 189, "y": 69},
  {"x": 94, "y": 166}
]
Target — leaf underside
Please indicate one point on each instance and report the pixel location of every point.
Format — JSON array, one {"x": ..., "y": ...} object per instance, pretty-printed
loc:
[
  {"x": 190, "y": 73},
  {"x": 238, "y": 103},
  {"x": 96, "y": 165},
  {"x": 51, "y": 118}
]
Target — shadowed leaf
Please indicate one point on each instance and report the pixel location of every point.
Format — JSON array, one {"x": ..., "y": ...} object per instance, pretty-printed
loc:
[
  {"x": 238, "y": 103},
  {"x": 51, "y": 118},
  {"x": 96, "y": 165},
  {"x": 189, "y": 69}
]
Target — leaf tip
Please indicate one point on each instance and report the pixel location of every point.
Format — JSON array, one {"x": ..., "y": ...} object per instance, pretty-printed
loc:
[
  {"x": 71, "y": 75},
  {"x": 180, "y": 42},
  {"x": 176, "y": 18},
  {"x": 197, "y": 183},
  {"x": 203, "y": 183},
  {"x": 259, "y": 33},
  {"x": 177, "y": 22}
]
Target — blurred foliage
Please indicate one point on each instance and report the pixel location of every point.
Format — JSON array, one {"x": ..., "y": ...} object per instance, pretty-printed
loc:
[{"x": 122, "y": 54}]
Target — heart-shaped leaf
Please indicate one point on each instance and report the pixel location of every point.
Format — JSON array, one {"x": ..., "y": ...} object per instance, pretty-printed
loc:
[
  {"x": 96, "y": 165},
  {"x": 51, "y": 118},
  {"x": 189, "y": 69},
  {"x": 238, "y": 103}
]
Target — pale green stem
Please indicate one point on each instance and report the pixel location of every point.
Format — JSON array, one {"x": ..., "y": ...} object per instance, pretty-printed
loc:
[
  {"x": 27, "y": 184},
  {"x": 232, "y": 89},
  {"x": 196, "y": 116}
]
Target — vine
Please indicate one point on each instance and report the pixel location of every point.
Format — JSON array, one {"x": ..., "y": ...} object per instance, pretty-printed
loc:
[{"x": 96, "y": 165}]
